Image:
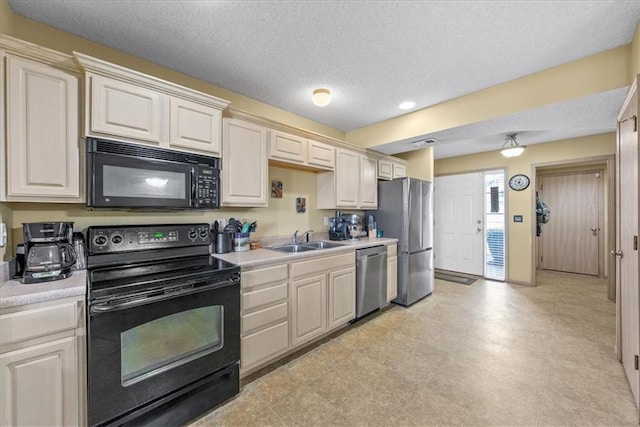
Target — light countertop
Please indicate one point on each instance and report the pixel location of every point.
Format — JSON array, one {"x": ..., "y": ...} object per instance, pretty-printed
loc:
[
  {"x": 258, "y": 257},
  {"x": 14, "y": 293}
]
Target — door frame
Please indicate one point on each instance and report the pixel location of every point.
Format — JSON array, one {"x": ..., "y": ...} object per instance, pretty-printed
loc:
[
  {"x": 607, "y": 164},
  {"x": 505, "y": 169}
]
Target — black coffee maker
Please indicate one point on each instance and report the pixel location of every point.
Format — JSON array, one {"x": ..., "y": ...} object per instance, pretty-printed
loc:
[{"x": 48, "y": 253}]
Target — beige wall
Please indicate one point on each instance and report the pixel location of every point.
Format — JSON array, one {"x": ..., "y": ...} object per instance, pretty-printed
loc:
[
  {"x": 420, "y": 163},
  {"x": 6, "y": 18},
  {"x": 280, "y": 218},
  {"x": 597, "y": 73},
  {"x": 520, "y": 237},
  {"x": 634, "y": 69}
]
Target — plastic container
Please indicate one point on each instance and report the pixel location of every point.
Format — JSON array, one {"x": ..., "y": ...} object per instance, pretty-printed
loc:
[
  {"x": 378, "y": 233},
  {"x": 241, "y": 242}
]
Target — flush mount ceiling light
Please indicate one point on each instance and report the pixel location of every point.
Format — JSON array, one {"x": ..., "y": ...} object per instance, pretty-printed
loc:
[
  {"x": 407, "y": 105},
  {"x": 510, "y": 148},
  {"x": 321, "y": 97}
]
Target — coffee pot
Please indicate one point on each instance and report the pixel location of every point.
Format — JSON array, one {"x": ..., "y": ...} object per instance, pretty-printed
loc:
[{"x": 49, "y": 254}]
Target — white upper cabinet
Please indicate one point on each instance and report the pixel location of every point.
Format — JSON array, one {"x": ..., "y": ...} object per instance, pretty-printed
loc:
[
  {"x": 195, "y": 126},
  {"x": 125, "y": 109},
  {"x": 385, "y": 169},
  {"x": 288, "y": 148},
  {"x": 244, "y": 164},
  {"x": 354, "y": 184},
  {"x": 135, "y": 107},
  {"x": 399, "y": 170},
  {"x": 321, "y": 155},
  {"x": 39, "y": 118},
  {"x": 347, "y": 179},
  {"x": 368, "y": 195}
]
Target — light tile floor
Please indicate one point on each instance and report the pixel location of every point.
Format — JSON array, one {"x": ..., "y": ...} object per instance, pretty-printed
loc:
[{"x": 485, "y": 354}]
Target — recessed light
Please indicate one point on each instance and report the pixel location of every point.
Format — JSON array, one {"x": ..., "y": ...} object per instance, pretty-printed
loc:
[{"x": 406, "y": 105}]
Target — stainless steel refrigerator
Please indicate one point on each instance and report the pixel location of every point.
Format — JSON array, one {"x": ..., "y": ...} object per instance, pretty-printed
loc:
[{"x": 405, "y": 211}]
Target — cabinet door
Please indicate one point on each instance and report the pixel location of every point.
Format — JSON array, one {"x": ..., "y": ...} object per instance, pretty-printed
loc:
[
  {"x": 288, "y": 148},
  {"x": 43, "y": 156},
  {"x": 124, "y": 109},
  {"x": 385, "y": 169},
  {"x": 195, "y": 126},
  {"x": 260, "y": 347},
  {"x": 342, "y": 297},
  {"x": 392, "y": 278},
  {"x": 368, "y": 183},
  {"x": 308, "y": 308},
  {"x": 321, "y": 155},
  {"x": 40, "y": 385},
  {"x": 399, "y": 170},
  {"x": 347, "y": 178},
  {"x": 244, "y": 164}
]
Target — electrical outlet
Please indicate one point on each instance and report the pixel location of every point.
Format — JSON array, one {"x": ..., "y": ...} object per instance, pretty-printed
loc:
[{"x": 326, "y": 220}]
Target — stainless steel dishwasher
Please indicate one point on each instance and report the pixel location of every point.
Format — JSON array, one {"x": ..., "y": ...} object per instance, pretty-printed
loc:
[{"x": 371, "y": 279}]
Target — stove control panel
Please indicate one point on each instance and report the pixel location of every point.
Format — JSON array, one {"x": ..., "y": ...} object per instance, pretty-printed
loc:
[{"x": 108, "y": 239}]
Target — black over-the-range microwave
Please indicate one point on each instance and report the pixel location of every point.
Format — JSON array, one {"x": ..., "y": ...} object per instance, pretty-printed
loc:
[{"x": 130, "y": 176}]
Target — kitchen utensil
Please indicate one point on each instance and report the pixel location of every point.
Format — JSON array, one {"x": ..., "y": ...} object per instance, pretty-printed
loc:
[
  {"x": 253, "y": 227},
  {"x": 216, "y": 227},
  {"x": 78, "y": 245},
  {"x": 245, "y": 227}
]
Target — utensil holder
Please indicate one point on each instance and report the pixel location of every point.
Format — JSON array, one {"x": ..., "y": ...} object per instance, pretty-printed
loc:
[{"x": 241, "y": 242}]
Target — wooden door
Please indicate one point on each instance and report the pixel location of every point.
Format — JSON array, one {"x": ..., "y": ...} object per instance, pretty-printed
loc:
[
  {"x": 399, "y": 170},
  {"x": 570, "y": 240},
  {"x": 244, "y": 164},
  {"x": 308, "y": 308},
  {"x": 627, "y": 234},
  {"x": 43, "y": 156},
  {"x": 40, "y": 385},
  {"x": 459, "y": 219},
  {"x": 321, "y": 155},
  {"x": 290, "y": 148},
  {"x": 195, "y": 127},
  {"x": 392, "y": 272}
]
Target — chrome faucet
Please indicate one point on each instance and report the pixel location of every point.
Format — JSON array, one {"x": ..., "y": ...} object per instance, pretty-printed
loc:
[
  {"x": 307, "y": 234},
  {"x": 294, "y": 237}
]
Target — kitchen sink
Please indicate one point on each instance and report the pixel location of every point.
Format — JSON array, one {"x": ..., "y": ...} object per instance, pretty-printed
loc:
[
  {"x": 292, "y": 248},
  {"x": 322, "y": 245},
  {"x": 302, "y": 247}
]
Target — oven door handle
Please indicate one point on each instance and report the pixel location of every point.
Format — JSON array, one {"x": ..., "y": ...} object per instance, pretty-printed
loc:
[{"x": 106, "y": 307}]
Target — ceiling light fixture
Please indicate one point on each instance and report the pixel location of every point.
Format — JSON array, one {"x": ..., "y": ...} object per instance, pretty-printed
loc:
[
  {"x": 510, "y": 148},
  {"x": 321, "y": 97},
  {"x": 406, "y": 105}
]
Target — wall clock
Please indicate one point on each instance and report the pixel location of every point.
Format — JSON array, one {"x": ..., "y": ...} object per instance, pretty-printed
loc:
[{"x": 519, "y": 182}]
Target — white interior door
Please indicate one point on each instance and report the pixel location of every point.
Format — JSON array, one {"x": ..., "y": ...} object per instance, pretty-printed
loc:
[
  {"x": 570, "y": 238},
  {"x": 627, "y": 195},
  {"x": 459, "y": 223}
]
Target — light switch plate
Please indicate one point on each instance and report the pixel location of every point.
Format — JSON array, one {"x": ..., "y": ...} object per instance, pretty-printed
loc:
[{"x": 3, "y": 235}]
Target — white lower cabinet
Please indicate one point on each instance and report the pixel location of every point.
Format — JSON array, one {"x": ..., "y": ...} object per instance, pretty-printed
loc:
[
  {"x": 323, "y": 295},
  {"x": 40, "y": 385},
  {"x": 42, "y": 364},
  {"x": 308, "y": 308},
  {"x": 392, "y": 272},
  {"x": 264, "y": 316}
]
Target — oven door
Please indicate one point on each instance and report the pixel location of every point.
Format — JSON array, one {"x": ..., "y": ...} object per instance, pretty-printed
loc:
[
  {"x": 117, "y": 181},
  {"x": 143, "y": 347}
]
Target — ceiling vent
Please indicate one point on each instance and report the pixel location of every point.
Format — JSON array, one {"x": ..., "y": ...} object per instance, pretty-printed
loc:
[{"x": 424, "y": 142}]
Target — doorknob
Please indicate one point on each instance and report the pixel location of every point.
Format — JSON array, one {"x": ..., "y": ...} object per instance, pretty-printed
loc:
[
  {"x": 615, "y": 254},
  {"x": 479, "y": 229}
]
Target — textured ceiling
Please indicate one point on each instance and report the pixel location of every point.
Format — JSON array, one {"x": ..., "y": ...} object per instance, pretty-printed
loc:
[{"x": 372, "y": 55}]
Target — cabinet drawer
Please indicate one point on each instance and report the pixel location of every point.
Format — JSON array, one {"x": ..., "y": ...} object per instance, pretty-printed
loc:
[
  {"x": 24, "y": 325},
  {"x": 263, "y": 276},
  {"x": 261, "y": 297},
  {"x": 263, "y": 345},
  {"x": 392, "y": 250},
  {"x": 265, "y": 317},
  {"x": 316, "y": 265}
]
